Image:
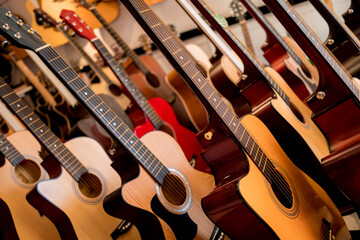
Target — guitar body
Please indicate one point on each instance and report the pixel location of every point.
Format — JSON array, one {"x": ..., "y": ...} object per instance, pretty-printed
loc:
[
  {"x": 305, "y": 218},
  {"x": 102, "y": 88},
  {"x": 163, "y": 90},
  {"x": 185, "y": 138},
  {"x": 290, "y": 71},
  {"x": 143, "y": 193},
  {"x": 86, "y": 214},
  {"x": 13, "y": 190}
]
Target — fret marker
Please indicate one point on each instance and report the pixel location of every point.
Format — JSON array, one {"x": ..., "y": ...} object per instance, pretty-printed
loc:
[
  {"x": 41, "y": 130},
  {"x": 234, "y": 124},
  {"x": 30, "y": 119},
  {"x": 133, "y": 90},
  {"x": 118, "y": 69},
  {"x": 18, "y": 105},
  {"x": 6, "y": 148},
  {"x": 85, "y": 93},
  {"x": 181, "y": 57},
  {"x": 214, "y": 99},
  {"x": 199, "y": 79},
  {"x": 126, "y": 80},
  {"x": 131, "y": 141},
  {"x": 1, "y": 142},
  {"x": 114, "y": 124},
  {"x": 101, "y": 109},
  {"x": 55, "y": 145}
]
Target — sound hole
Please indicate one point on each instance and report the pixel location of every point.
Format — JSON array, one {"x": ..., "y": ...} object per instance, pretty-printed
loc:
[
  {"x": 281, "y": 189},
  {"x": 28, "y": 172},
  {"x": 296, "y": 112},
  {"x": 115, "y": 89},
  {"x": 165, "y": 128},
  {"x": 90, "y": 185},
  {"x": 152, "y": 80},
  {"x": 174, "y": 190}
]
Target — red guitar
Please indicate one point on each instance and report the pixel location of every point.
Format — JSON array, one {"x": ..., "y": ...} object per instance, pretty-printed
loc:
[{"x": 158, "y": 113}]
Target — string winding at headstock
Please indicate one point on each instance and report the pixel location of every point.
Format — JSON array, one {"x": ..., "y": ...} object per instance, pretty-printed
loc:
[
  {"x": 79, "y": 25},
  {"x": 19, "y": 33},
  {"x": 42, "y": 17}
]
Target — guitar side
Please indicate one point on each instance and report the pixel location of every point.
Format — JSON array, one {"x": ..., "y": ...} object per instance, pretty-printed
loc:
[
  {"x": 141, "y": 191},
  {"x": 300, "y": 221},
  {"x": 87, "y": 215},
  {"x": 185, "y": 138}
]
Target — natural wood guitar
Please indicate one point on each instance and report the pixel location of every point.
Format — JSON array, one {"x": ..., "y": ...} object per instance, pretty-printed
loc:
[
  {"x": 20, "y": 173},
  {"x": 294, "y": 200},
  {"x": 179, "y": 200},
  {"x": 78, "y": 193},
  {"x": 159, "y": 114}
]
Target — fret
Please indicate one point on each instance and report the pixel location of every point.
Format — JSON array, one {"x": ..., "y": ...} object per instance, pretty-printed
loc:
[
  {"x": 33, "y": 123},
  {"x": 262, "y": 160},
  {"x": 323, "y": 50},
  {"x": 9, "y": 151}
]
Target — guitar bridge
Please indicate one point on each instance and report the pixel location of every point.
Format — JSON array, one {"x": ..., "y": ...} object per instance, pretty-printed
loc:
[
  {"x": 122, "y": 228},
  {"x": 326, "y": 228},
  {"x": 217, "y": 234}
]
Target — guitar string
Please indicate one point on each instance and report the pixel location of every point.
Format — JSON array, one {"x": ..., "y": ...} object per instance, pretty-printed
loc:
[
  {"x": 174, "y": 51},
  {"x": 52, "y": 135},
  {"x": 32, "y": 169},
  {"x": 285, "y": 192}
]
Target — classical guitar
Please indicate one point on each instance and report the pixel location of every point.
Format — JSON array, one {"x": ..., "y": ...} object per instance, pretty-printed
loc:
[
  {"x": 337, "y": 94},
  {"x": 299, "y": 198},
  {"x": 77, "y": 194},
  {"x": 167, "y": 193},
  {"x": 285, "y": 56},
  {"x": 151, "y": 81},
  {"x": 106, "y": 85},
  {"x": 159, "y": 114},
  {"x": 344, "y": 44},
  {"x": 20, "y": 173}
]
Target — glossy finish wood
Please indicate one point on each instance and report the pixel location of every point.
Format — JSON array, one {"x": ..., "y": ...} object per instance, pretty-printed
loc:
[
  {"x": 252, "y": 190},
  {"x": 343, "y": 168},
  {"x": 140, "y": 192},
  {"x": 26, "y": 219},
  {"x": 185, "y": 138},
  {"x": 352, "y": 17}
]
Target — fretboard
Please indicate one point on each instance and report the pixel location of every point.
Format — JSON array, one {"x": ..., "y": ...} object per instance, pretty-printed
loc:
[
  {"x": 256, "y": 13},
  {"x": 48, "y": 139},
  {"x": 335, "y": 25},
  {"x": 240, "y": 49},
  {"x": 9, "y": 151},
  {"x": 134, "y": 57},
  {"x": 134, "y": 91},
  {"x": 181, "y": 60},
  {"x": 92, "y": 64},
  {"x": 326, "y": 55},
  {"x": 102, "y": 113}
]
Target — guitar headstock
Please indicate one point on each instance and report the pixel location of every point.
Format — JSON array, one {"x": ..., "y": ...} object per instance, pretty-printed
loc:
[
  {"x": 17, "y": 32},
  {"x": 41, "y": 17},
  {"x": 76, "y": 23},
  {"x": 238, "y": 9}
]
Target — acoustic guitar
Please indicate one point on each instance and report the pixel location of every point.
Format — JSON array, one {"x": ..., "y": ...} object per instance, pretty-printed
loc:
[
  {"x": 78, "y": 193},
  {"x": 285, "y": 56},
  {"x": 165, "y": 197},
  {"x": 159, "y": 114},
  {"x": 20, "y": 173},
  {"x": 281, "y": 197}
]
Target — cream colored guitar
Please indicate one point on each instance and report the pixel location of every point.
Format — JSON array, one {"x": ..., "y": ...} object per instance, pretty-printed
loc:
[{"x": 20, "y": 173}]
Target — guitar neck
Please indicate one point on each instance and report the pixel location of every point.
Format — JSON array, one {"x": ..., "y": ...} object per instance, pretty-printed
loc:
[
  {"x": 134, "y": 91},
  {"x": 339, "y": 32},
  {"x": 320, "y": 55},
  {"x": 9, "y": 151},
  {"x": 49, "y": 140},
  {"x": 92, "y": 64},
  {"x": 269, "y": 29},
  {"x": 102, "y": 113},
  {"x": 240, "y": 49},
  {"x": 10, "y": 119},
  {"x": 134, "y": 57},
  {"x": 246, "y": 34},
  {"x": 181, "y": 60}
]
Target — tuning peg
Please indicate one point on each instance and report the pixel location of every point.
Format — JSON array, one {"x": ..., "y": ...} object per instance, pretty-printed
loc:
[{"x": 4, "y": 44}]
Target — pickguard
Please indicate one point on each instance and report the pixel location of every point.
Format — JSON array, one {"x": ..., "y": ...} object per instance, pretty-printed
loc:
[{"x": 181, "y": 225}]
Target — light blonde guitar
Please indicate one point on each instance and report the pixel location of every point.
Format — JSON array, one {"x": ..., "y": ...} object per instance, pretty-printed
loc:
[{"x": 20, "y": 173}]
